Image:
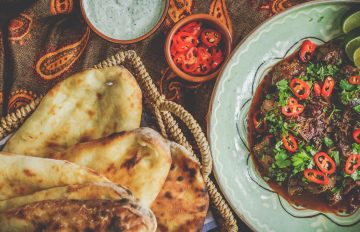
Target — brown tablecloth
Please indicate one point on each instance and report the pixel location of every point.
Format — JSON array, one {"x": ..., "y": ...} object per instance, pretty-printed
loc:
[{"x": 44, "y": 41}]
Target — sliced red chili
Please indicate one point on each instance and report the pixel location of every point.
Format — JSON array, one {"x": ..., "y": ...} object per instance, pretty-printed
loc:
[
  {"x": 259, "y": 122},
  {"x": 316, "y": 176},
  {"x": 215, "y": 52},
  {"x": 189, "y": 68},
  {"x": 216, "y": 57},
  {"x": 216, "y": 61},
  {"x": 300, "y": 88},
  {"x": 328, "y": 86},
  {"x": 203, "y": 54},
  {"x": 354, "y": 80},
  {"x": 179, "y": 59},
  {"x": 317, "y": 89},
  {"x": 186, "y": 37},
  {"x": 190, "y": 61},
  {"x": 202, "y": 68},
  {"x": 191, "y": 56},
  {"x": 183, "y": 47},
  {"x": 210, "y": 37},
  {"x": 307, "y": 51},
  {"x": 293, "y": 108},
  {"x": 292, "y": 101},
  {"x": 194, "y": 28},
  {"x": 289, "y": 143},
  {"x": 356, "y": 135},
  {"x": 173, "y": 50},
  {"x": 352, "y": 163},
  {"x": 325, "y": 163}
]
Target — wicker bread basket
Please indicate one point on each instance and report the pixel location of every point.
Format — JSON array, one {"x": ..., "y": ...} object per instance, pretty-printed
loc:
[{"x": 163, "y": 111}]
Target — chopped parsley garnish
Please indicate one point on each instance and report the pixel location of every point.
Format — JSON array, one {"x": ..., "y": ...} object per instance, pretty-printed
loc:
[
  {"x": 300, "y": 161},
  {"x": 277, "y": 123},
  {"x": 316, "y": 72},
  {"x": 284, "y": 91},
  {"x": 356, "y": 148},
  {"x": 336, "y": 156},
  {"x": 350, "y": 94},
  {"x": 281, "y": 157},
  {"x": 328, "y": 142}
]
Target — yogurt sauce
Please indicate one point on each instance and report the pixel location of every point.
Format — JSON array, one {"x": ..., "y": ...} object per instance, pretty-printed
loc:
[{"x": 123, "y": 19}]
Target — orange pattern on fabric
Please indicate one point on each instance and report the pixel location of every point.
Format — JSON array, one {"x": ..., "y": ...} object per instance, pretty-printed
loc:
[
  {"x": 275, "y": 6},
  {"x": 219, "y": 10},
  {"x": 172, "y": 90},
  {"x": 19, "y": 28},
  {"x": 54, "y": 64},
  {"x": 178, "y": 9},
  {"x": 20, "y": 98},
  {"x": 61, "y": 6}
]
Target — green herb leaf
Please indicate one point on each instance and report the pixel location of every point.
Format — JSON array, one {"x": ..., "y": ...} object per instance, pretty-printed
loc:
[
  {"x": 328, "y": 142},
  {"x": 336, "y": 156},
  {"x": 335, "y": 189},
  {"x": 281, "y": 160},
  {"x": 311, "y": 150},
  {"x": 357, "y": 108},
  {"x": 345, "y": 85},
  {"x": 300, "y": 161},
  {"x": 356, "y": 175},
  {"x": 284, "y": 91},
  {"x": 356, "y": 148},
  {"x": 318, "y": 72}
]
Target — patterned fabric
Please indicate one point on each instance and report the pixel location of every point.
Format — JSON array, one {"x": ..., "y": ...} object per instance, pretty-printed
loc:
[{"x": 44, "y": 41}]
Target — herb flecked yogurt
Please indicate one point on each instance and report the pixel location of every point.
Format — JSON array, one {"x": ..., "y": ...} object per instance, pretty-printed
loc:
[{"x": 123, "y": 19}]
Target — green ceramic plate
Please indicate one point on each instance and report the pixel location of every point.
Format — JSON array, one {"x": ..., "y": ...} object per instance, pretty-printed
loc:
[{"x": 248, "y": 194}]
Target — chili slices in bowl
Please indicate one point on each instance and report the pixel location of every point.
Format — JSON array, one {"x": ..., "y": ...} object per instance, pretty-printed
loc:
[
  {"x": 196, "y": 49},
  {"x": 197, "y": 46}
]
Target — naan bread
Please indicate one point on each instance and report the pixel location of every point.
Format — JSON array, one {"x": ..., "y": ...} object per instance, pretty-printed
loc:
[
  {"x": 79, "y": 215},
  {"x": 23, "y": 175},
  {"x": 90, "y": 191},
  {"x": 183, "y": 201},
  {"x": 138, "y": 160},
  {"x": 88, "y": 105}
]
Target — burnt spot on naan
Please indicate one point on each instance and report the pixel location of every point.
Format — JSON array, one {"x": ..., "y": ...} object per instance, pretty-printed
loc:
[
  {"x": 172, "y": 167},
  {"x": 84, "y": 138},
  {"x": 110, "y": 138},
  {"x": 91, "y": 113},
  {"x": 29, "y": 173},
  {"x": 111, "y": 168},
  {"x": 132, "y": 161},
  {"x": 53, "y": 145},
  {"x": 99, "y": 96},
  {"x": 168, "y": 195}
]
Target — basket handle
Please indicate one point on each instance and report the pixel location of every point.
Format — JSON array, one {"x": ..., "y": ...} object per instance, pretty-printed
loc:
[{"x": 196, "y": 131}]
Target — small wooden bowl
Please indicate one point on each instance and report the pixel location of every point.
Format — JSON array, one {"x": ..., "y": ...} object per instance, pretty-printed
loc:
[
  {"x": 150, "y": 32},
  {"x": 213, "y": 23}
]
